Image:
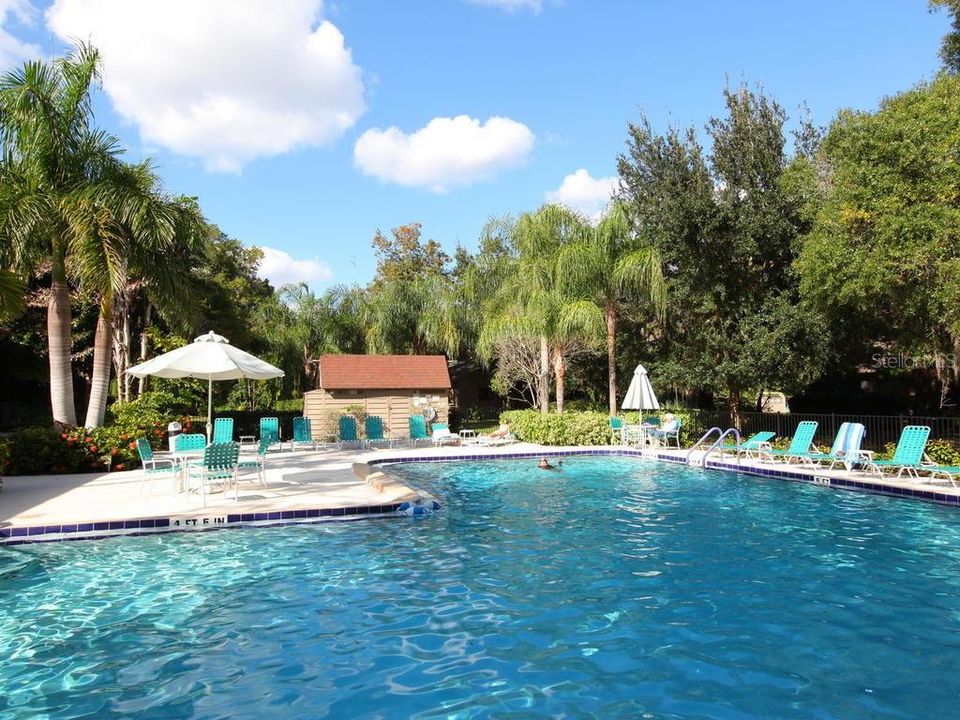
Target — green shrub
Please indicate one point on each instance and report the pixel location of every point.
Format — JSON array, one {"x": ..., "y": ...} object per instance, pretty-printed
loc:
[
  {"x": 573, "y": 428},
  {"x": 943, "y": 452},
  {"x": 293, "y": 405}
]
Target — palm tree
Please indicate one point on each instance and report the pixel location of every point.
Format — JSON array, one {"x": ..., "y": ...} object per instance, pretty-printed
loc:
[
  {"x": 530, "y": 303},
  {"x": 416, "y": 316},
  {"x": 134, "y": 235},
  {"x": 53, "y": 162},
  {"x": 605, "y": 267},
  {"x": 11, "y": 295}
]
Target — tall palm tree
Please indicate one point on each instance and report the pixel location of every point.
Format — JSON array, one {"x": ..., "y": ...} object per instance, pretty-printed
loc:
[
  {"x": 53, "y": 158},
  {"x": 605, "y": 267},
  {"x": 530, "y": 302},
  {"x": 133, "y": 234}
]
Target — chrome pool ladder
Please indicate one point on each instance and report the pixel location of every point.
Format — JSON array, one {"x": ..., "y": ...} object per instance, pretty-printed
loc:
[{"x": 718, "y": 444}]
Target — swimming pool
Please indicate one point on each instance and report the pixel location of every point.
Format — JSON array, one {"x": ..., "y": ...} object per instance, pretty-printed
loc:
[{"x": 616, "y": 587}]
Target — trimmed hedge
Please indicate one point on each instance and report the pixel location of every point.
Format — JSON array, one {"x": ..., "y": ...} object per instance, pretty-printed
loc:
[{"x": 571, "y": 428}]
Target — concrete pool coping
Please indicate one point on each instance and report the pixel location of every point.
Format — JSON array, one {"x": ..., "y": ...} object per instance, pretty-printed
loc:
[{"x": 306, "y": 487}]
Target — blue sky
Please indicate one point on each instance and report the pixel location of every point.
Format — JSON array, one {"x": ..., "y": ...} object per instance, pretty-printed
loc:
[{"x": 278, "y": 115}]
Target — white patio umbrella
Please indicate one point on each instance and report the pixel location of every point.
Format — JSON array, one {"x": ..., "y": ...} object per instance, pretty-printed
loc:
[
  {"x": 209, "y": 357},
  {"x": 640, "y": 395}
]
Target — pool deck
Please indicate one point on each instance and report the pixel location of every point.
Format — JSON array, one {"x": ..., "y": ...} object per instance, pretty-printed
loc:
[{"x": 327, "y": 485}]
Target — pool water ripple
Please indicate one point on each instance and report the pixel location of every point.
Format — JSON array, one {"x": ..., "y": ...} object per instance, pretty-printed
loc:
[{"x": 615, "y": 588}]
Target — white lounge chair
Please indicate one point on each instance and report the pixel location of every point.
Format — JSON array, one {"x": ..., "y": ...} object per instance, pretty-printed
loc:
[{"x": 443, "y": 436}]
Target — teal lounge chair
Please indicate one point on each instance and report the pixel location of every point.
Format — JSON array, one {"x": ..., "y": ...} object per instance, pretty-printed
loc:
[
  {"x": 441, "y": 435},
  {"x": 418, "y": 430},
  {"x": 153, "y": 465},
  {"x": 908, "y": 457},
  {"x": 845, "y": 449},
  {"x": 257, "y": 462},
  {"x": 347, "y": 431},
  {"x": 270, "y": 429},
  {"x": 374, "y": 430},
  {"x": 223, "y": 430},
  {"x": 753, "y": 444},
  {"x": 942, "y": 472},
  {"x": 219, "y": 465},
  {"x": 800, "y": 444},
  {"x": 302, "y": 433}
]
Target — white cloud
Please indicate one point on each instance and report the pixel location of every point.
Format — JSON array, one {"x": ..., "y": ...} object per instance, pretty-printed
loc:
[
  {"x": 226, "y": 81},
  {"x": 280, "y": 268},
  {"x": 445, "y": 153},
  {"x": 12, "y": 49},
  {"x": 511, "y": 5},
  {"x": 587, "y": 194}
]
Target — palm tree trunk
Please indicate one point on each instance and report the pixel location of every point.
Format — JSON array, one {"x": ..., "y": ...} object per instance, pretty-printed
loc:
[
  {"x": 610, "y": 316},
  {"x": 58, "y": 346},
  {"x": 544, "y": 376},
  {"x": 100, "y": 382},
  {"x": 560, "y": 375},
  {"x": 144, "y": 345}
]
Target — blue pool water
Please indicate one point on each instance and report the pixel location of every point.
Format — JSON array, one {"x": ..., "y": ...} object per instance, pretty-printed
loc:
[{"x": 615, "y": 588}]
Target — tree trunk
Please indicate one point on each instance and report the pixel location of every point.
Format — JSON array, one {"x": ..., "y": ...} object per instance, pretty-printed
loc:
[
  {"x": 735, "y": 402},
  {"x": 610, "y": 316},
  {"x": 544, "y": 376},
  {"x": 100, "y": 382},
  {"x": 58, "y": 347},
  {"x": 144, "y": 346},
  {"x": 560, "y": 375},
  {"x": 121, "y": 344}
]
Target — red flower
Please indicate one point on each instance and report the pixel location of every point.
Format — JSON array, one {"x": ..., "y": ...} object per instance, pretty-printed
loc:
[
  {"x": 133, "y": 446},
  {"x": 120, "y": 466},
  {"x": 65, "y": 436},
  {"x": 92, "y": 448},
  {"x": 114, "y": 451}
]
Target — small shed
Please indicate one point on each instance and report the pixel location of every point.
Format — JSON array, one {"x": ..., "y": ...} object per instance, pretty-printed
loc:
[{"x": 391, "y": 386}]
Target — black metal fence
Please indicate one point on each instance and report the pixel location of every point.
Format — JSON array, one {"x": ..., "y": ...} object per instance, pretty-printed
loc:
[{"x": 881, "y": 429}]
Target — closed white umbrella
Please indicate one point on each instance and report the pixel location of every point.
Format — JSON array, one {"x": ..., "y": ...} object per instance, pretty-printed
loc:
[
  {"x": 640, "y": 395},
  {"x": 209, "y": 357}
]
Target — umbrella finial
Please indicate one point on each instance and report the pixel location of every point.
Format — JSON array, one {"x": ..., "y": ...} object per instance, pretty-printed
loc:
[{"x": 211, "y": 337}]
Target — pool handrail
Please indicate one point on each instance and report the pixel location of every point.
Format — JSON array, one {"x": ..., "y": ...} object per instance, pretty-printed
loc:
[
  {"x": 699, "y": 442},
  {"x": 719, "y": 444}
]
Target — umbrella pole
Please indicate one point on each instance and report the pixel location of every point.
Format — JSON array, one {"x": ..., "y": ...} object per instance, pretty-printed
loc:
[{"x": 209, "y": 408}]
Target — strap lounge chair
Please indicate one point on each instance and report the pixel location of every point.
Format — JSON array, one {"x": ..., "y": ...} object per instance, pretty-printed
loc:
[
  {"x": 443, "y": 436},
  {"x": 418, "y": 429},
  {"x": 374, "y": 430},
  {"x": 302, "y": 433},
  {"x": 846, "y": 448},
  {"x": 753, "y": 444},
  {"x": 270, "y": 429},
  {"x": 500, "y": 436},
  {"x": 223, "y": 430},
  {"x": 908, "y": 457},
  {"x": 800, "y": 445},
  {"x": 347, "y": 431}
]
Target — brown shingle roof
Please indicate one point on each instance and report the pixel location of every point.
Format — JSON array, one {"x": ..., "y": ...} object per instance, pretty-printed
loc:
[{"x": 383, "y": 372}]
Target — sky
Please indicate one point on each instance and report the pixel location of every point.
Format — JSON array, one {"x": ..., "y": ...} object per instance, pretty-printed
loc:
[{"x": 303, "y": 126}]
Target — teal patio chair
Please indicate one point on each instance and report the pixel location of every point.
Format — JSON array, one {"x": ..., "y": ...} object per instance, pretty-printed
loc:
[
  {"x": 665, "y": 434},
  {"x": 270, "y": 430},
  {"x": 302, "y": 433},
  {"x": 800, "y": 444},
  {"x": 616, "y": 430},
  {"x": 374, "y": 430},
  {"x": 257, "y": 462},
  {"x": 653, "y": 420},
  {"x": 347, "y": 431},
  {"x": 189, "y": 442},
  {"x": 223, "y": 430},
  {"x": 752, "y": 445},
  {"x": 219, "y": 464},
  {"x": 845, "y": 449},
  {"x": 153, "y": 465},
  {"x": 418, "y": 429},
  {"x": 908, "y": 457}
]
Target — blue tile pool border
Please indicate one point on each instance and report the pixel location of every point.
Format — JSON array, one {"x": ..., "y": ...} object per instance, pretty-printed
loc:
[
  {"x": 148, "y": 526},
  {"x": 774, "y": 472}
]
